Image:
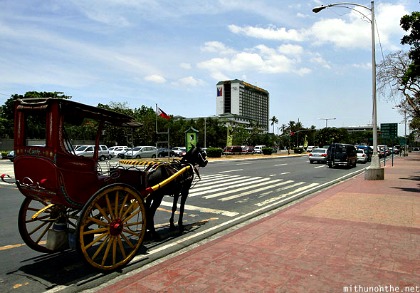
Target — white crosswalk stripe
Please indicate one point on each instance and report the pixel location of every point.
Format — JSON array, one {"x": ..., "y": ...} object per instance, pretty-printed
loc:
[
  {"x": 228, "y": 187},
  {"x": 232, "y": 187}
]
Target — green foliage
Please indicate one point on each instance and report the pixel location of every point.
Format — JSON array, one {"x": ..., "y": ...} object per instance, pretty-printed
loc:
[
  {"x": 267, "y": 150},
  {"x": 298, "y": 150},
  {"x": 214, "y": 152},
  {"x": 411, "y": 24}
]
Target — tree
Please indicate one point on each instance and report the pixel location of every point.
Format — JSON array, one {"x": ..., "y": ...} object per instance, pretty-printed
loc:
[
  {"x": 411, "y": 24},
  {"x": 391, "y": 77},
  {"x": 274, "y": 121}
]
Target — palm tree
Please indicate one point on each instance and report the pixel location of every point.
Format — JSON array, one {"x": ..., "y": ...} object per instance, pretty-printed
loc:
[{"x": 274, "y": 121}]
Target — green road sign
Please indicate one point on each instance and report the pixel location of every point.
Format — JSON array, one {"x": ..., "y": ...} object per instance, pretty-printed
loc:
[{"x": 389, "y": 130}]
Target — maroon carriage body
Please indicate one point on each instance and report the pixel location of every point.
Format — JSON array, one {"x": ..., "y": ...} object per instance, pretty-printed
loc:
[{"x": 51, "y": 171}]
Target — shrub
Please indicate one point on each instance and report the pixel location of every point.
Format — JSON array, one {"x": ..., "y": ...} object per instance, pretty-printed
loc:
[
  {"x": 267, "y": 151},
  {"x": 298, "y": 150},
  {"x": 214, "y": 152}
]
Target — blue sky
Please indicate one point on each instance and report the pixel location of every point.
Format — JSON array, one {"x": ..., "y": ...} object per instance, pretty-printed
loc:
[{"x": 173, "y": 53}]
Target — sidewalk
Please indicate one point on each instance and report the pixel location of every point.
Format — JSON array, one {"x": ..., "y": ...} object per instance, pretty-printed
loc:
[{"x": 357, "y": 236}]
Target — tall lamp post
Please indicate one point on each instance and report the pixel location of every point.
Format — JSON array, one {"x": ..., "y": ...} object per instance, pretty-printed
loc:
[
  {"x": 374, "y": 172},
  {"x": 326, "y": 121}
]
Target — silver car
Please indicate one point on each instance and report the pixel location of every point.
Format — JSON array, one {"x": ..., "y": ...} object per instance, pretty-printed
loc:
[
  {"x": 362, "y": 157},
  {"x": 139, "y": 152},
  {"x": 318, "y": 155},
  {"x": 88, "y": 150}
]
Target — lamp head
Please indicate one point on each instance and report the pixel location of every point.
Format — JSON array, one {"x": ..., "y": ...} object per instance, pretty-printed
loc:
[{"x": 319, "y": 8}]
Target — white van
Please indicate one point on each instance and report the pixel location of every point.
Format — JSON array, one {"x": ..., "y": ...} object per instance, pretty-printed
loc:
[{"x": 258, "y": 149}]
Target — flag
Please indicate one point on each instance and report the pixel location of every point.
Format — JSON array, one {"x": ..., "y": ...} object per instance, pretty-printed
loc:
[
  {"x": 219, "y": 91},
  {"x": 162, "y": 114}
]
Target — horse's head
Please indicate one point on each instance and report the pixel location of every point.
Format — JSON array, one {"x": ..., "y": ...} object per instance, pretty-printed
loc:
[{"x": 196, "y": 156}]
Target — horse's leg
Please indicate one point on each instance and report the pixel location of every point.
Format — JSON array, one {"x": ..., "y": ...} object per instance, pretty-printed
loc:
[
  {"x": 157, "y": 199},
  {"x": 184, "y": 195},
  {"x": 174, "y": 207}
]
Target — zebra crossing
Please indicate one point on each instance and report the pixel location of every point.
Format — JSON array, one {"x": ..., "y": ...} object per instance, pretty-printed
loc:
[{"x": 225, "y": 187}]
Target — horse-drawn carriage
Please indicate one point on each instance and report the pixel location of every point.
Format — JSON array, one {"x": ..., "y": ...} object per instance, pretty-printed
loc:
[{"x": 71, "y": 202}]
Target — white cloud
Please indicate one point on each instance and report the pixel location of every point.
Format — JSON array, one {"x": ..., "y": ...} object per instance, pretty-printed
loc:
[
  {"x": 317, "y": 59},
  {"x": 290, "y": 49},
  {"x": 189, "y": 81},
  {"x": 155, "y": 78},
  {"x": 261, "y": 59},
  {"x": 353, "y": 30},
  {"x": 269, "y": 33},
  {"x": 217, "y": 47}
]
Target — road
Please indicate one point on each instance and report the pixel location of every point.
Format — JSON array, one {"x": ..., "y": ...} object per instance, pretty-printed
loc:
[{"x": 229, "y": 193}]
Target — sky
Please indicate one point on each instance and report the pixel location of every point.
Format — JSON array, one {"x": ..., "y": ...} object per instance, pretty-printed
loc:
[{"x": 172, "y": 53}]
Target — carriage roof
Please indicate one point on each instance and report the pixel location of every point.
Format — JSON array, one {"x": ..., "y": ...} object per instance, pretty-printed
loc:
[{"x": 78, "y": 110}]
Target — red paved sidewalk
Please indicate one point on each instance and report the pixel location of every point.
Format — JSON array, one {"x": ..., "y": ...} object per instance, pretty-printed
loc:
[{"x": 353, "y": 237}]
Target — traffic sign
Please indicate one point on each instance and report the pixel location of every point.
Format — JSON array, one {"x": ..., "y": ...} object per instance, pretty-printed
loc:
[{"x": 389, "y": 130}]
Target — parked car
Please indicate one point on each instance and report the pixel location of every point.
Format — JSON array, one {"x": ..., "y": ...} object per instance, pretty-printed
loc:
[
  {"x": 88, "y": 150},
  {"x": 361, "y": 156},
  {"x": 11, "y": 156},
  {"x": 165, "y": 152},
  {"x": 179, "y": 151},
  {"x": 368, "y": 151},
  {"x": 115, "y": 150},
  {"x": 139, "y": 152},
  {"x": 340, "y": 154},
  {"x": 318, "y": 155},
  {"x": 258, "y": 149},
  {"x": 246, "y": 149},
  {"x": 232, "y": 150},
  {"x": 310, "y": 148}
]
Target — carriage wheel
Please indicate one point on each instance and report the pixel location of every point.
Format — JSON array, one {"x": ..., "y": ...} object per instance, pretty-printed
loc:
[
  {"x": 36, "y": 218},
  {"x": 111, "y": 227}
]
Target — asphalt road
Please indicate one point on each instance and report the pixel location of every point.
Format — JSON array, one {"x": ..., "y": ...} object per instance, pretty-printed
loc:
[{"x": 229, "y": 193}]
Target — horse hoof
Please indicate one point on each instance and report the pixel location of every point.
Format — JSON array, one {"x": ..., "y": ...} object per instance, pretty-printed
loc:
[
  {"x": 181, "y": 229},
  {"x": 152, "y": 236}
]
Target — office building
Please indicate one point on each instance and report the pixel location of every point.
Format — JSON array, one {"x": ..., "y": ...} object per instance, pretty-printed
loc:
[{"x": 245, "y": 100}]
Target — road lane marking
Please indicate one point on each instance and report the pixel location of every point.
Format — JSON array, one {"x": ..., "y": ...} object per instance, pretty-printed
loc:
[
  {"x": 279, "y": 197},
  {"x": 204, "y": 210},
  {"x": 230, "y": 171},
  {"x": 255, "y": 190},
  {"x": 244, "y": 187}
]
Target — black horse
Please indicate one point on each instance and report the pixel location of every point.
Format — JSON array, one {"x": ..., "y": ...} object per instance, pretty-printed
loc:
[{"x": 179, "y": 186}]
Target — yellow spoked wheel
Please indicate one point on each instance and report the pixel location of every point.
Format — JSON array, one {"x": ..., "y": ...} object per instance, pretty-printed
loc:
[
  {"x": 111, "y": 227},
  {"x": 37, "y": 217}
]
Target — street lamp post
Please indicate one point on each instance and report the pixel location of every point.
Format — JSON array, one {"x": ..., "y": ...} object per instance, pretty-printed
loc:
[
  {"x": 374, "y": 172},
  {"x": 326, "y": 121}
]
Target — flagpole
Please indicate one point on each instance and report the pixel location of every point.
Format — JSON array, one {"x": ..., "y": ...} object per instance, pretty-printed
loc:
[{"x": 156, "y": 115}]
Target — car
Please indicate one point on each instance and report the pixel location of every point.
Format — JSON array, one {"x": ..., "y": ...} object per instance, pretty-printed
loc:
[
  {"x": 246, "y": 149},
  {"x": 310, "y": 148},
  {"x": 11, "y": 156},
  {"x": 362, "y": 157},
  {"x": 179, "y": 151},
  {"x": 341, "y": 154},
  {"x": 382, "y": 151},
  {"x": 318, "y": 155},
  {"x": 115, "y": 150},
  {"x": 139, "y": 152},
  {"x": 258, "y": 149},
  {"x": 88, "y": 150},
  {"x": 396, "y": 149},
  {"x": 368, "y": 150},
  {"x": 165, "y": 152},
  {"x": 232, "y": 150}
]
